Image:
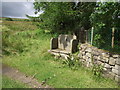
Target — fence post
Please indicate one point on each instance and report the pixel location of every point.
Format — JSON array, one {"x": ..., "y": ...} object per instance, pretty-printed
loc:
[
  {"x": 92, "y": 36},
  {"x": 86, "y": 32},
  {"x": 113, "y": 31}
]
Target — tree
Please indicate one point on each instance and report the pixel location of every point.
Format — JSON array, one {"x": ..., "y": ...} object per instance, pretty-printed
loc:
[
  {"x": 9, "y": 19},
  {"x": 64, "y": 16},
  {"x": 34, "y": 19},
  {"x": 104, "y": 18}
]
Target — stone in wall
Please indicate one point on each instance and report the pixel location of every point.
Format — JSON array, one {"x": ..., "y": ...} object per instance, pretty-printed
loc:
[
  {"x": 112, "y": 61},
  {"x": 112, "y": 75},
  {"x": 89, "y": 60},
  {"x": 117, "y": 78},
  {"x": 106, "y": 59},
  {"x": 115, "y": 71},
  {"x": 105, "y": 55},
  {"x": 106, "y": 70},
  {"x": 95, "y": 57},
  {"x": 99, "y": 58},
  {"x": 115, "y": 56},
  {"x": 118, "y": 61},
  {"x": 88, "y": 50},
  {"x": 99, "y": 63},
  {"x": 117, "y": 67},
  {"x": 85, "y": 57},
  {"x": 88, "y": 54}
]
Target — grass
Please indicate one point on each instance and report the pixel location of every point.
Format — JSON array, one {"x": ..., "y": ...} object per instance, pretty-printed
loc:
[
  {"x": 35, "y": 60},
  {"x": 19, "y": 25},
  {"x": 9, "y": 83}
]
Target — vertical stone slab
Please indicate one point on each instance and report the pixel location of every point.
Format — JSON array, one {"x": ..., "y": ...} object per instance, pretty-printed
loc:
[
  {"x": 65, "y": 42},
  {"x": 54, "y": 43},
  {"x": 61, "y": 40}
]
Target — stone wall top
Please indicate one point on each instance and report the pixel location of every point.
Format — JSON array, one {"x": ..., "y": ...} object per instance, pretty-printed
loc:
[{"x": 97, "y": 51}]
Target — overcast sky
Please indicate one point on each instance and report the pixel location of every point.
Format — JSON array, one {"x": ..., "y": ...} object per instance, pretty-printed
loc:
[{"x": 17, "y": 9}]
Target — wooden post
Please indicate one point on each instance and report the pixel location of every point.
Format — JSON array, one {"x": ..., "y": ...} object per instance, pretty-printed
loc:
[
  {"x": 113, "y": 31},
  {"x": 92, "y": 36},
  {"x": 86, "y": 33}
]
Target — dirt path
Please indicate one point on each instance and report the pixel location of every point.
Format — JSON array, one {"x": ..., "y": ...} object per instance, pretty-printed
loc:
[{"x": 16, "y": 75}]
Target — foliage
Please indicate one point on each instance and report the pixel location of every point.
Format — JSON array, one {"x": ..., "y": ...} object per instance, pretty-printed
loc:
[
  {"x": 97, "y": 70},
  {"x": 98, "y": 41},
  {"x": 103, "y": 19},
  {"x": 73, "y": 62},
  {"x": 34, "y": 19},
  {"x": 64, "y": 16}
]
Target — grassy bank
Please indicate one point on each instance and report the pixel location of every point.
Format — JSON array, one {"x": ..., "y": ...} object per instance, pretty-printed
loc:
[{"x": 28, "y": 52}]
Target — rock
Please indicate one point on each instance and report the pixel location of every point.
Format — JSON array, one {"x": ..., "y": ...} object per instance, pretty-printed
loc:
[
  {"x": 111, "y": 75},
  {"x": 99, "y": 57},
  {"x": 100, "y": 63},
  {"x": 102, "y": 60},
  {"x": 117, "y": 67},
  {"x": 64, "y": 56},
  {"x": 79, "y": 55},
  {"x": 118, "y": 61},
  {"x": 107, "y": 65},
  {"x": 95, "y": 57},
  {"x": 88, "y": 50},
  {"x": 115, "y": 56},
  {"x": 117, "y": 78},
  {"x": 115, "y": 71},
  {"x": 105, "y": 55},
  {"x": 84, "y": 57},
  {"x": 112, "y": 67},
  {"x": 80, "y": 48},
  {"x": 106, "y": 59},
  {"x": 88, "y": 64},
  {"x": 112, "y": 61},
  {"x": 83, "y": 53},
  {"x": 105, "y": 69},
  {"x": 89, "y": 60},
  {"x": 88, "y": 54}
]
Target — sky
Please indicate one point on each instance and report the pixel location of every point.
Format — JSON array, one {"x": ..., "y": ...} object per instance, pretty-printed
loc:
[{"x": 18, "y": 9}]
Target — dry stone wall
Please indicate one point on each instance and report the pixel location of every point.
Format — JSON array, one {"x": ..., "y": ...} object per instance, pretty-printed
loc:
[{"x": 90, "y": 55}]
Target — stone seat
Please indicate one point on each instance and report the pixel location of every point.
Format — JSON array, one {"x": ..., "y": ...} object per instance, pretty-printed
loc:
[{"x": 64, "y": 45}]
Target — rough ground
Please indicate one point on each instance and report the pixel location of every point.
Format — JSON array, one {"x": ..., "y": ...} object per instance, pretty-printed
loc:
[{"x": 16, "y": 75}]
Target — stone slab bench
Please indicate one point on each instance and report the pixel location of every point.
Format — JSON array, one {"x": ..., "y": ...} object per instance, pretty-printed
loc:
[{"x": 64, "y": 45}]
